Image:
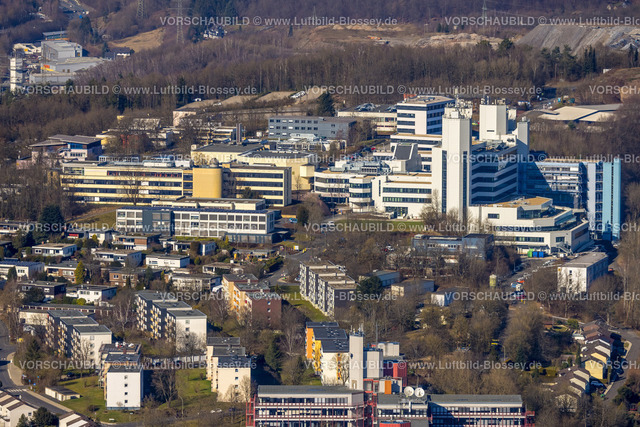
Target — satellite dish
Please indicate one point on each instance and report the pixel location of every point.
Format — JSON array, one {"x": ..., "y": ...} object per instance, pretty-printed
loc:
[
  {"x": 408, "y": 391},
  {"x": 419, "y": 392}
]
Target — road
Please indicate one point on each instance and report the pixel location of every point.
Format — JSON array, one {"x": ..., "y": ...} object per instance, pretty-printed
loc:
[
  {"x": 632, "y": 357},
  {"x": 18, "y": 390}
]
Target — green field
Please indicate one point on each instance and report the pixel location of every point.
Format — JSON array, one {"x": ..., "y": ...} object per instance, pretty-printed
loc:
[
  {"x": 292, "y": 295},
  {"x": 195, "y": 392},
  {"x": 99, "y": 220}
]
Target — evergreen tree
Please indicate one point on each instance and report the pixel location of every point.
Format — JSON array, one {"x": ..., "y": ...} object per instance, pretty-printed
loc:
[
  {"x": 12, "y": 275},
  {"x": 273, "y": 356},
  {"x": 302, "y": 215},
  {"x": 51, "y": 222},
  {"x": 80, "y": 273},
  {"x": 325, "y": 107}
]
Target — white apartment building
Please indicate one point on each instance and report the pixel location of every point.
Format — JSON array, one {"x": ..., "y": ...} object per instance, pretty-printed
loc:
[
  {"x": 164, "y": 317},
  {"x": 87, "y": 340},
  {"x": 124, "y": 387},
  {"x": 577, "y": 275},
  {"x": 76, "y": 336},
  {"x": 55, "y": 249},
  {"x": 190, "y": 328},
  {"x": 231, "y": 378},
  {"x": 326, "y": 286},
  {"x": 169, "y": 261}
]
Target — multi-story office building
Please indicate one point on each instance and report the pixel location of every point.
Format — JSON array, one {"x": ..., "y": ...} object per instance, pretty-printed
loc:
[
  {"x": 76, "y": 336},
  {"x": 308, "y": 126},
  {"x": 336, "y": 405},
  {"x": 306, "y": 405},
  {"x": 383, "y": 118},
  {"x": 133, "y": 181},
  {"x": 140, "y": 183},
  {"x": 421, "y": 115},
  {"x": 253, "y": 226},
  {"x": 326, "y": 286},
  {"x": 454, "y": 410},
  {"x": 534, "y": 223},
  {"x": 58, "y": 50},
  {"x": 272, "y": 183},
  {"x": 67, "y": 147},
  {"x": 164, "y": 317},
  {"x": 478, "y": 245},
  {"x": 595, "y": 186}
]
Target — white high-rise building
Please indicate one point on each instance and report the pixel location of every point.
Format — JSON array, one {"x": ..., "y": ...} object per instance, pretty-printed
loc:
[
  {"x": 451, "y": 162},
  {"x": 16, "y": 73}
]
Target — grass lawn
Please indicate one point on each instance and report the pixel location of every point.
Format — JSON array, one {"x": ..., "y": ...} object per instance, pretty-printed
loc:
[
  {"x": 100, "y": 220},
  {"x": 92, "y": 395},
  {"x": 195, "y": 392},
  {"x": 292, "y": 295}
]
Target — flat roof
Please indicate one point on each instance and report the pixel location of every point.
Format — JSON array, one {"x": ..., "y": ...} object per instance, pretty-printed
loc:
[
  {"x": 93, "y": 329},
  {"x": 521, "y": 202},
  {"x": 167, "y": 256},
  {"x": 450, "y": 399},
  {"x": 90, "y": 287},
  {"x": 228, "y": 148},
  {"x": 186, "y": 313},
  {"x": 223, "y": 341},
  {"x": 313, "y": 118},
  {"x": 586, "y": 260},
  {"x": 68, "y": 264},
  {"x": 278, "y": 154},
  {"x": 288, "y": 390},
  {"x": 124, "y": 368},
  {"x": 188, "y": 209},
  {"x": 63, "y": 390},
  {"x": 424, "y": 100}
]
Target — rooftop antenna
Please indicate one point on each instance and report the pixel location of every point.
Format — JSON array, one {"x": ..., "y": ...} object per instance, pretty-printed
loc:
[{"x": 484, "y": 12}]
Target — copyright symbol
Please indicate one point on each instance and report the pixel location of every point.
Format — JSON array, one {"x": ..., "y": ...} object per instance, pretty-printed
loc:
[
  {"x": 401, "y": 227},
  {"x": 116, "y": 89},
  {"x": 542, "y": 157},
  {"x": 257, "y": 20},
  {"x": 542, "y": 296},
  {"x": 542, "y": 20},
  {"x": 402, "y": 89}
]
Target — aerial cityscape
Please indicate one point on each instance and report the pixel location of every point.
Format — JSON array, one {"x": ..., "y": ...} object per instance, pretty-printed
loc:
[{"x": 244, "y": 213}]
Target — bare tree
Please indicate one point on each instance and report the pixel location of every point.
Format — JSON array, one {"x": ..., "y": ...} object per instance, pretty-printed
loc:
[{"x": 292, "y": 329}]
